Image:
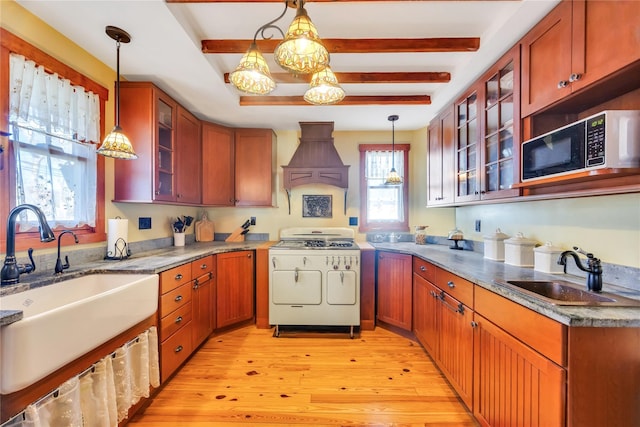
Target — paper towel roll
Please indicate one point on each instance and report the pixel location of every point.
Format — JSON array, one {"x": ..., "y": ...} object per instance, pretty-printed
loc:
[{"x": 117, "y": 228}]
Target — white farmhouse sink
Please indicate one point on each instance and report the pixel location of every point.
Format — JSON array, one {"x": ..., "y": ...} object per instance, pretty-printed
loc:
[{"x": 65, "y": 320}]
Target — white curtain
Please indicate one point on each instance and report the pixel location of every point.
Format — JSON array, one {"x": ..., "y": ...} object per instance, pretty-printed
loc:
[
  {"x": 102, "y": 396},
  {"x": 49, "y": 119}
]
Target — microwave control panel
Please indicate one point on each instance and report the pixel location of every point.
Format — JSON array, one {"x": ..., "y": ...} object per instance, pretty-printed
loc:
[{"x": 595, "y": 141}]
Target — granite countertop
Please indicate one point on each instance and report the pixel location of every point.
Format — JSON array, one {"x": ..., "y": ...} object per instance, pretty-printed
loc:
[
  {"x": 486, "y": 273},
  {"x": 148, "y": 262},
  {"x": 466, "y": 264}
]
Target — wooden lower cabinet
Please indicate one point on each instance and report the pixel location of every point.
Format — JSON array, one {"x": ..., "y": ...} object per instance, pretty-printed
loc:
[
  {"x": 515, "y": 385},
  {"x": 234, "y": 287},
  {"x": 444, "y": 326},
  {"x": 203, "y": 271},
  {"x": 394, "y": 289}
]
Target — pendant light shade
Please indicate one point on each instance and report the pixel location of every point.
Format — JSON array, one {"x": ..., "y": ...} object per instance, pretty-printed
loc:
[
  {"x": 393, "y": 178},
  {"x": 116, "y": 144},
  {"x": 302, "y": 51},
  {"x": 324, "y": 88},
  {"x": 252, "y": 74}
]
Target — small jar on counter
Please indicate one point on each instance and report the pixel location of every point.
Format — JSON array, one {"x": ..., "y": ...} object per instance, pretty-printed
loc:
[
  {"x": 518, "y": 251},
  {"x": 546, "y": 259},
  {"x": 494, "y": 245},
  {"x": 421, "y": 234}
]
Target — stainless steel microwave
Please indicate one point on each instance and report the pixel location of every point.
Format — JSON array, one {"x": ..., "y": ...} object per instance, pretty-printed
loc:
[{"x": 610, "y": 139}]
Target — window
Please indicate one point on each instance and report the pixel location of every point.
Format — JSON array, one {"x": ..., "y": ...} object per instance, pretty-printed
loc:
[
  {"x": 383, "y": 207},
  {"x": 54, "y": 115}
]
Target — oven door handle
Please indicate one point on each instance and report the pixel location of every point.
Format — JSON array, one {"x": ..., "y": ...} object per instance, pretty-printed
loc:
[
  {"x": 342, "y": 277},
  {"x": 295, "y": 275}
]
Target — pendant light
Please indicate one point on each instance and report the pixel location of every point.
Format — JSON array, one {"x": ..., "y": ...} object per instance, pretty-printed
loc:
[
  {"x": 393, "y": 178},
  {"x": 324, "y": 88},
  {"x": 116, "y": 144},
  {"x": 301, "y": 51}
]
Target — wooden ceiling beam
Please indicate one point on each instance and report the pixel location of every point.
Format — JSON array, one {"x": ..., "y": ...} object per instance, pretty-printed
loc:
[
  {"x": 440, "y": 44},
  {"x": 254, "y": 101},
  {"x": 394, "y": 77}
]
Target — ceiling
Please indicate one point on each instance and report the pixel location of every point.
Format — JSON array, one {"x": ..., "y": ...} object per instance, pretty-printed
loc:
[{"x": 167, "y": 48}]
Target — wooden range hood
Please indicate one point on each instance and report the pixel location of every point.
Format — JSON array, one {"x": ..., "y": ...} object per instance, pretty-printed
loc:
[{"x": 316, "y": 160}]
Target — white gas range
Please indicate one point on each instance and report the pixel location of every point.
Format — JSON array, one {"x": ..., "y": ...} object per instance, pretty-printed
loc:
[{"x": 314, "y": 278}]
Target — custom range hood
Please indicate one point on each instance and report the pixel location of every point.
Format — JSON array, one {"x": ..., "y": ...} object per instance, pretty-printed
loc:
[{"x": 316, "y": 160}]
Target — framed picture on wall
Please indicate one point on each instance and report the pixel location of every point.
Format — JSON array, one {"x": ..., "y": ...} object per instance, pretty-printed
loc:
[{"x": 317, "y": 206}]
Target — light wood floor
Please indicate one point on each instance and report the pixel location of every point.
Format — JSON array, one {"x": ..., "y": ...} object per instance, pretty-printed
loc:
[{"x": 247, "y": 377}]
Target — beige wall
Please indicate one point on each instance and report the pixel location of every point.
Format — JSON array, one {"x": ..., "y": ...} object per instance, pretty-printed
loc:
[{"x": 608, "y": 226}]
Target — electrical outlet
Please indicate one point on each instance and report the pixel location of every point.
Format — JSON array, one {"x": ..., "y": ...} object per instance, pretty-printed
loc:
[
  {"x": 144, "y": 223},
  {"x": 478, "y": 225},
  {"x": 253, "y": 220}
]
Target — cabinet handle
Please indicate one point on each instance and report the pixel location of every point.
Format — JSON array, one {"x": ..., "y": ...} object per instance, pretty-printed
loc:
[
  {"x": 210, "y": 275},
  {"x": 178, "y": 349},
  {"x": 203, "y": 266},
  {"x": 178, "y": 298},
  {"x": 423, "y": 268},
  {"x": 575, "y": 77},
  {"x": 458, "y": 309},
  {"x": 451, "y": 284},
  {"x": 562, "y": 84},
  {"x": 195, "y": 285},
  {"x": 178, "y": 276},
  {"x": 178, "y": 319}
]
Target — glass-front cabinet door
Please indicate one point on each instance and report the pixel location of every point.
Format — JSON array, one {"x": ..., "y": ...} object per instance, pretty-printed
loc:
[
  {"x": 164, "y": 185},
  {"x": 501, "y": 136},
  {"x": 467, "y": 147}
]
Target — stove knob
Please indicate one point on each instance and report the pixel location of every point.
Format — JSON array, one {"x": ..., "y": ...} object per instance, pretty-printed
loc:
[
  {"x": 348, "y": 266},
  {"x": 335, "y": 267}
]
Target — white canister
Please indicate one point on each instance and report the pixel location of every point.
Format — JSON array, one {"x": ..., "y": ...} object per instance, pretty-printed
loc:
[
  {"x": 518, "y": 251},
  {"x": 494, "y": 245},
  {"x": 546, "y": 259},
  {"x": 178, "y": 239}
]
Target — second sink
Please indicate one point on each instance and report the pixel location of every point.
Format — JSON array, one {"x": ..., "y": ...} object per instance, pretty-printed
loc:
[{"x": 561, "y": 292}]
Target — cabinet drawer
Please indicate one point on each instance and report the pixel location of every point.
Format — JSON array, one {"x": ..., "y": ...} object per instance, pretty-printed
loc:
[
  {"x": 424, "y": 269},
  {"x": 545, "y": 335},
  {"x": 202, "y": 266},
  {"x": 174, "y": 299},
  {"x": 174, "y": 351},
  {"x": 175, "y": 277},
  {"x": 174, "y": 321},
  {"x": 455, "y": 286}
]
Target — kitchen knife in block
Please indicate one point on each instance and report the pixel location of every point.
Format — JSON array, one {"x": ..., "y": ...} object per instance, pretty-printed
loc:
[
  {"x": 237, "y": 235},
  {"x": 204, "y": 230}
]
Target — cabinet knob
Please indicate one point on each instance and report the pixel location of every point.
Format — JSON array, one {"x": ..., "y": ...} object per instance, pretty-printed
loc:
[
  {"x": 178, "y": 276},
  {"x": 248, "y": 255},
  {"x": 203, "y": 266},
  {"x": 474, "y": 324},
  {"x": 178, "y": 349},
  {"x": 575, "y": 77},
  {"x": 178, "y": 195},
  {"x": 157, "y": 193},
  {"x": 178, "y": 298},
  {"x": 178, "y": 319},
  {"x": 451, "y": 284},
  {"x": 423, "y": 268},
  {"x": 562, "y": 84}
]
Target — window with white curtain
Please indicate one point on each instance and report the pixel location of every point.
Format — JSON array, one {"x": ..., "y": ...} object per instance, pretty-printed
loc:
[
  {"x": 53, "y": 125},
  {"x": 383, "y": 207}
]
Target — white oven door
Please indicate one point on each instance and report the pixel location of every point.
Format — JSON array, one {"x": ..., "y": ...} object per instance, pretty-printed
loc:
[
  {"x": 296, "y": 287},
  {"x": 342, "y": 287}
]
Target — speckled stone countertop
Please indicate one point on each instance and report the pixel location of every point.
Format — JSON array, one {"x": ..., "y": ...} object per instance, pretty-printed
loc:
[
  {"x": 149, "y": 262},
  {"x": 486, "y": 273}
]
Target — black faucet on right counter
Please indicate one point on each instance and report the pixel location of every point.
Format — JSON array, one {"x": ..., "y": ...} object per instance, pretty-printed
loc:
[
  {"x": 60, "y": 267},
  {"x": 593, "y": 268}
]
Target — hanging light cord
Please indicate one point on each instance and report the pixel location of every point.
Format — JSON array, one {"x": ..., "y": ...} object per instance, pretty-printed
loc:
[
  {"x": 118, "y": 82},
  {"x": 270, "y": 25},
  {"x": 393, "y": 144}
]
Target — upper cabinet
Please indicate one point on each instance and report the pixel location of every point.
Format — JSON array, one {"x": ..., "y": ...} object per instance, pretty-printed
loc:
[
  {"x": 189, "y": 163},
  {"x": 576, "y": 44},
  {"x": 166, "y": 138},
  {"x": 239, "y": 166},
  {"x": 440, "y": 159},
  {"x": 487, "y": 134}
]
